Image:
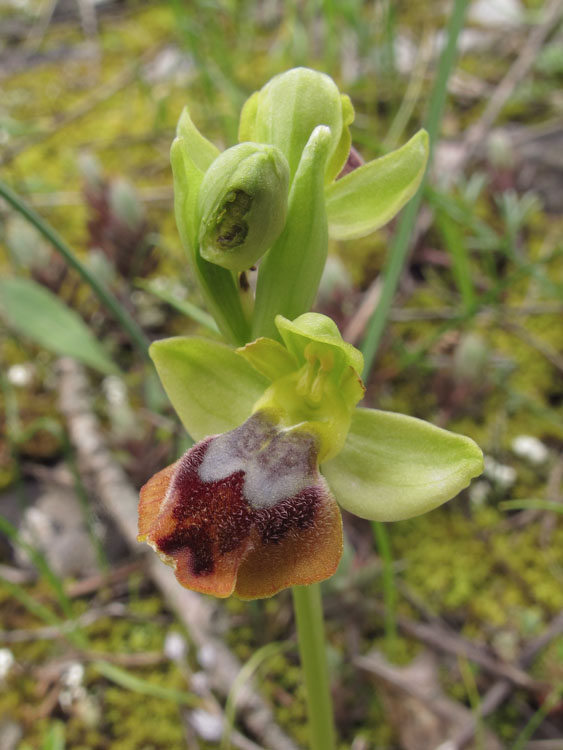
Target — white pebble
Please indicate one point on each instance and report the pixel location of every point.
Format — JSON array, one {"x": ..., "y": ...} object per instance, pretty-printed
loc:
[
  {"x": 21, "y": 375},
  {"x": 6, "y": 662},
  {"x": 175, "y": 646},
  {"x": 500, "y": 474},
  {"x": 530, "y": 448},
  {"x": 207, "y": 656},
  {"x": 208, "y": 726},
  {"x": 478, "y": 491}
]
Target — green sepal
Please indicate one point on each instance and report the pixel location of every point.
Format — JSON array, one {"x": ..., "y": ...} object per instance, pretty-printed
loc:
[
  {"x": 394, "y": 467},
  {"x": 340, "y": 156},
  {"x": 369, "y": 196},
  {"x": 202, "y": 152},
  {"x": 269, "y": 357},
  {"x": 211, "y": 388},
  {"x": 290, "y": 273},
  {"x": 286, "y": 111},
  {"x": 189, "y": 155},
  {"x": 297, "y": 334},
  {"x": 247, "y": 122}
]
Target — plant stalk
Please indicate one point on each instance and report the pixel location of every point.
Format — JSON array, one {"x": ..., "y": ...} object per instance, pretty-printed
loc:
[{"x": 310, "y": 631}]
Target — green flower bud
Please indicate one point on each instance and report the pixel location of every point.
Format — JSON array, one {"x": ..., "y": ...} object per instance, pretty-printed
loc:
[
  {"x": 243, "y": 205},
  {"x": 287, "y": 110}
]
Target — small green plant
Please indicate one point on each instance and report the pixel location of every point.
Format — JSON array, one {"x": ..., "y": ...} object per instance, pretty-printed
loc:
[{"x": 252, "y": 507}]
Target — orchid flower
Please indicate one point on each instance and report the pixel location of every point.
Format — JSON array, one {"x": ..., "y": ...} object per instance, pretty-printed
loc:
[{"x": 252, "y": 508}]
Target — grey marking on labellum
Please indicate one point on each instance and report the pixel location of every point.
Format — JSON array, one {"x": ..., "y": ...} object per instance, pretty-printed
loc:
[{"x": 277, "y": 464}]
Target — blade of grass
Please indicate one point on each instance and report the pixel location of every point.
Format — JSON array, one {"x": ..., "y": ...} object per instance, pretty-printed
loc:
[
  {"x": 69, "y": 629},
  {"x": 82, "y": 495},
  {"x": 246, "y": 672},
  {"x": 400, "y": 246},
  {"x": 474, "y": 700},
  {"x": 182, "y": 306},
  {"x": 383, "y": 543},
  {"x": 461, "y": 269},
  {"x": 532, "y": 504},
  {"x": 37, "y": 609},
  {"x": 535, "y": 721},
  {"x": 102, "y": 292},
  {"x": 40, "y": 562},
  {"x": 55, "y": 737},
  {"x": 394, "y": 264},
  {"x": 412, "y": 94},
  {"x": 137, "y": 685}
]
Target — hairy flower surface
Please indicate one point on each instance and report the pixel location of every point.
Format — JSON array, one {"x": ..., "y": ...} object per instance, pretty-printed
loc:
[{"x": 251, "y": 509}]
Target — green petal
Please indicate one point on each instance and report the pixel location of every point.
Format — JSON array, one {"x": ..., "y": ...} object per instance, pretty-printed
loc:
[
  {"x": 211, "y": 388},
  {"x": 368, "y": 197},
  {"x": 290, "y": 272},
  {"x": 309, "y": 327},
  {"x": 394, "y": 467},
  {"x": 269, "y": 357}
]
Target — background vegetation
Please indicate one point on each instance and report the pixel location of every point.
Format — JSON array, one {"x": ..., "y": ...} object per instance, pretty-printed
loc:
[{"x": 92, "y": 654}]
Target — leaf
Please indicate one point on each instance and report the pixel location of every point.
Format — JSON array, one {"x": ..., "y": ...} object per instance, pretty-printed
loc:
[
  {"x": 394, "y": 467},
  {"x": 38, "y": 314},
  {"x": 135, "y": 684},
  {"x": 368, "y": 197},
  {"x": 210, "y": 386}
]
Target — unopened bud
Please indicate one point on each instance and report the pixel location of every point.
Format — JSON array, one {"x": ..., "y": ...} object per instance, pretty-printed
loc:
[
  {"x": 288, "y": 109},
  {"x": 243, "y": 205}
]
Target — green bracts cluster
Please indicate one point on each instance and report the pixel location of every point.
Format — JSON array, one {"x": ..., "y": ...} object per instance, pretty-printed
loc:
[{"x": 275, "y": 199}]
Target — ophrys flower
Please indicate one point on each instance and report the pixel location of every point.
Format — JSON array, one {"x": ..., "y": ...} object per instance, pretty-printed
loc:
[{"x": 251, "y": 509}]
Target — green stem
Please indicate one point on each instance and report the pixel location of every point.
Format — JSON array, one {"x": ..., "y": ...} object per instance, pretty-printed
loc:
[
  {"x": 398, "y": 252},
  {"x": 389, "y": 590},
  {"x": 310, "y": 631},
  {"x": 104, "y": 295}
]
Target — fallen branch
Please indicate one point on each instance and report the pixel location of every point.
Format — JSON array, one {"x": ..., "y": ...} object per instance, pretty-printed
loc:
[{"x": 119, "y": 499}]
